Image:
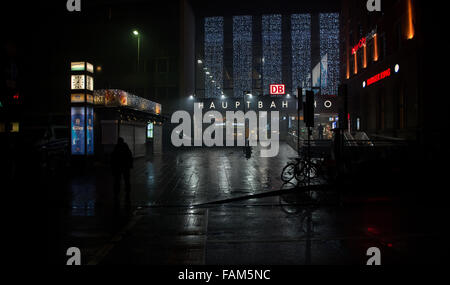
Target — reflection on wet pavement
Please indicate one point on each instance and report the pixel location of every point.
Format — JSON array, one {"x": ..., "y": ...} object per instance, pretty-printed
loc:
[{"x": 166, "y": 221}]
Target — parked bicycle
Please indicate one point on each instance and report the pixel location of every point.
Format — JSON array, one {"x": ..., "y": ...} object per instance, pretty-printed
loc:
[{"x": 301, "y": 168}]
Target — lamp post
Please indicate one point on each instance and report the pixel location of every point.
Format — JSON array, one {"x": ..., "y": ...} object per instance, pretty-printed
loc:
[
  {"x": 136, "y": 33},
  {"x": 299, "y": 107}
]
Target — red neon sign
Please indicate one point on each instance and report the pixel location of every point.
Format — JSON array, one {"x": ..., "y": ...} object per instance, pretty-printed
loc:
[
  {"x": 277, "y": 89},
  {"x": 379, "y": 76},
  {"x": 359, "y": 45}
]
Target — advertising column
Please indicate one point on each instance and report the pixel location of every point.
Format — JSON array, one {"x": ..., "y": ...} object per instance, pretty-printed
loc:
[{"x": 82, "y": 110}]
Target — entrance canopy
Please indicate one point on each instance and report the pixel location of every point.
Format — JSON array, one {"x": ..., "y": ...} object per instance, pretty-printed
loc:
[{"x": 121, "y": 98}]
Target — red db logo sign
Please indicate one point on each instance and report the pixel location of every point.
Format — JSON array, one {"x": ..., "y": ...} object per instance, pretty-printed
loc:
[{"x": 277, "y": 89}]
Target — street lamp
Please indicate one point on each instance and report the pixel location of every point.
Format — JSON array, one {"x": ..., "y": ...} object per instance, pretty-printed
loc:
[{"x": 136, "y": 33}]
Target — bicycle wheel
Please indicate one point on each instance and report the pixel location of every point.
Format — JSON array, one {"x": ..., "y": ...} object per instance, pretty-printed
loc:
[
  {"x": 308, "y": 169},
  {"x": 300, "y": 174},
  {"x": 288, "y": 172}
]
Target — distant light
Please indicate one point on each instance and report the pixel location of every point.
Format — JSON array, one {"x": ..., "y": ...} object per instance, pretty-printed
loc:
[
  {"x": 288, "y": 95},
  {"x": 397, "y": 68},
  {"x": 364, "y": 84},
  {"x": 98, "y": 68},
  {"x": 210, "y": 76},
  {"x": 223, "y": 96},
  {"x": 207, "y": 72},
  {"x": 135, "y": 32},
  {"x": 199, "y": 61},
  {"x": 250, "y": 95},
  {"x": 191, "y": 97},
  {"x": 213, "y": 81}
]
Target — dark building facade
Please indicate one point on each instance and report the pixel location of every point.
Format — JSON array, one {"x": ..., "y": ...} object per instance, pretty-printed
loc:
[{"x": 382, "y": 62}]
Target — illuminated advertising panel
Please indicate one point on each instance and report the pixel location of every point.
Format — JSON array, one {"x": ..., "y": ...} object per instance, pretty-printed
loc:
[
  {"x": 77, "y": 66},
  {"x": 89, "y": 98},
  {"x": 90, "y": 130},
  {"x": 89, "y": 67},
  {"x": 77, "y": 98},
  {"x": 379, "y": 76},
  {"x": 77, "y": 130},
  {"x": 277, "y": 89},
  {"x": 89, "y": 83}
]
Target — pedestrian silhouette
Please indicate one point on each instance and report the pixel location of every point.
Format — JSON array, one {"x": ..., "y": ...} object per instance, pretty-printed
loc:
[
  {"x": 121, "y": 163},
  {"x": 320, "y": 131}
]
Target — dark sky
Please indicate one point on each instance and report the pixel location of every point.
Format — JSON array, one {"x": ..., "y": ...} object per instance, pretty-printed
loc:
[
  {"x": 47, "y": 38},
  {"x": 241, "y": 7}
]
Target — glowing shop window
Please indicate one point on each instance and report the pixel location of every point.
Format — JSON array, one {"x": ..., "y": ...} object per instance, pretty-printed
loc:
[
  {"x": 15, "y": 127},
  {"x": 150, "y": 130}
]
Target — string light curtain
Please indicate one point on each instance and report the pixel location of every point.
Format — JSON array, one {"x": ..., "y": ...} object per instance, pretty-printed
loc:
[
  {"x": 272, "y": 54},
  {"x": 242, "y": 55},
  {"x": 329, "y": 45},
  {"x": 213, "y": 56},
  {"x": 301, "y": 50}
]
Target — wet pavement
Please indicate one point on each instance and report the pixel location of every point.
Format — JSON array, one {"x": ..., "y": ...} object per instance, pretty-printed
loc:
[{"x": 166, "y": 220}]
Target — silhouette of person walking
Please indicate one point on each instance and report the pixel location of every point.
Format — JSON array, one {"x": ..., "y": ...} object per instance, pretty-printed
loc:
[
  {"x": 320, "y": 131},
  {"x": 121, "y": 162}
]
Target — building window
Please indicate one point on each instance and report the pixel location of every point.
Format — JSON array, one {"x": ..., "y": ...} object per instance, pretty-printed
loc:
[
  {"x": 242, "y": 54},
  {"x": 370, "y": 52},
  {"x": 213, "y": 63},
  {"x": 301, "y": 50},
  {"x": 271, "y": 46},
  {"x": 162, "y": 92},
  {"x": 352, "y": 62},
  {"x": 381, "y": 109},
  {"x": 162, "y": 65},
  {"x": 401, "y": 108},
  {"x": 329, "y": 46},
  {"x": 398, "y": 35},
  {"x": 381, "y": 46}
]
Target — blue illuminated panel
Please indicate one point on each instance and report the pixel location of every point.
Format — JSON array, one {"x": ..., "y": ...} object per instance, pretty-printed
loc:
[
  {"x": 77, "y": 130},
  {"x": 90, "y": 130}
]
